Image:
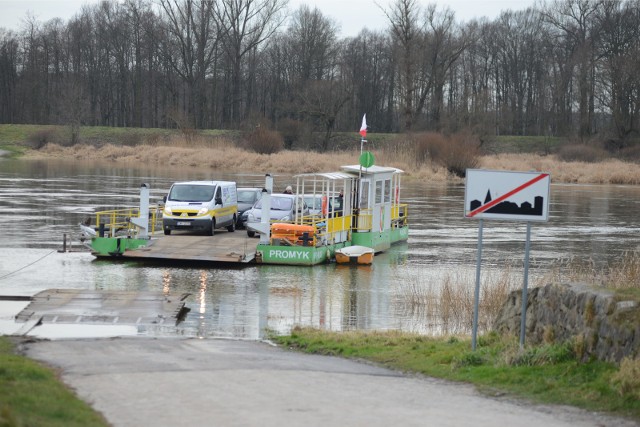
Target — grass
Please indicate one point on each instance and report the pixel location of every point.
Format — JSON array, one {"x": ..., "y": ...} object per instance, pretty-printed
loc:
[
  {"x": 547, "y": 374},
  {"x": 524, "y": 144},
  {"x": 32, "y": 395}
]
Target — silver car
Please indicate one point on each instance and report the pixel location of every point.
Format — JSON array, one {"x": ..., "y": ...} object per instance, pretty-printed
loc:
[{"x": 283, "y": 208}]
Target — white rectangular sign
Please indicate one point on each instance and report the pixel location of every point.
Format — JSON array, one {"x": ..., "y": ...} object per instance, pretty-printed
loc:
[{"x": 507, "y": 195}]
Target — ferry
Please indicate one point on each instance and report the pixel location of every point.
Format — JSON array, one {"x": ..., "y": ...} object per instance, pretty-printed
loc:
[{"x": 358, "y": 206}]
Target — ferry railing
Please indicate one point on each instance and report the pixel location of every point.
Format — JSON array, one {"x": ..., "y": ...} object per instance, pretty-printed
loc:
[
  {"x": 329, "y": 230},
  {"x": 364, "y": 220},
  {"x": 117, "y": 221},
  {"x": 399, "y": 215}
]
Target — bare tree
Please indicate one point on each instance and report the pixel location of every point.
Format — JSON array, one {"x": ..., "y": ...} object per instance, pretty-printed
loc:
[
  {"x": 322, "y": 101},
  {"x": 244, "y": 25},
  {"x": 619, "y": 44},
  {"x": 443, "y": 48},
  {"x": 192, "y": 48},
  {"x": 574, "y": 20},
  {"x": 408, "y": 41}
]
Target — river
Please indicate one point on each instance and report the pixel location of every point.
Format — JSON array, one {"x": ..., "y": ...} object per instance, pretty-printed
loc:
[{"x": 40, "y": 201}]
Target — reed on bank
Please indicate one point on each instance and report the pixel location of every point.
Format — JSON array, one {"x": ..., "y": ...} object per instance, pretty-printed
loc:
[
  {"x": 225, "y": 157},
  {"x": 449, "y": 302}
]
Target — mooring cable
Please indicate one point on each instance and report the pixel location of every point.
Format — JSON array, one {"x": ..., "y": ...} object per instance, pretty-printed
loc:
[{"x": 28, "y": 265}]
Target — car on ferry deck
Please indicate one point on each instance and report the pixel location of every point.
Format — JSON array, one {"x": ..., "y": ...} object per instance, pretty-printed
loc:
[
  {"x": 247, "y": 197},
  {"x": 283, "y": 208},
  {"x": 314, "y": 202}
]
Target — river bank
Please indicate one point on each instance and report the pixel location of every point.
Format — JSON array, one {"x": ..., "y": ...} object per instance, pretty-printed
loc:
[{"x": 225, "y": 157}]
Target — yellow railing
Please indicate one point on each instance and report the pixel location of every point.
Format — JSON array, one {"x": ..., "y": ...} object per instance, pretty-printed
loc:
[
  {"x": 399, "y": 215},
  {"x": 328, "y": 230},
  {"x": 118, "y": 221},
  {"x": 364, "y": 220},
  {"x": 337, "y": 228}
]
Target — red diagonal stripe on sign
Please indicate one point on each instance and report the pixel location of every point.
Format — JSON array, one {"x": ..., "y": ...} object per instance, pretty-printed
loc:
[{"x": 509, "y": 194}]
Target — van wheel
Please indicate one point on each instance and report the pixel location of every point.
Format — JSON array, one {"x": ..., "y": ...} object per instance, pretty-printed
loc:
[
  {"x": 232, "y": 227},
  {"x": 212, "y": 230},
  {"x": 167, "y": 231},
  {"x": 251, "y": 233}
]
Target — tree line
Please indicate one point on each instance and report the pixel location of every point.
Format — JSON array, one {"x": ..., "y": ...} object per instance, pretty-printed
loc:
[{"x": 563, "y": 68}]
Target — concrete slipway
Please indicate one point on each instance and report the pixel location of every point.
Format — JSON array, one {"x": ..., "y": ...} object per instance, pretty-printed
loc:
[{"x": 140, "y": 381}]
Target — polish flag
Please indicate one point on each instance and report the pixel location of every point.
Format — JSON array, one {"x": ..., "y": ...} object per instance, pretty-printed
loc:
[{"x": 363, "y": 128}]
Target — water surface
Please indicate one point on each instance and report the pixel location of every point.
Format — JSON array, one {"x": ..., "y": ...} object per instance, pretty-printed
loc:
[{"x": 40, "y": 201}]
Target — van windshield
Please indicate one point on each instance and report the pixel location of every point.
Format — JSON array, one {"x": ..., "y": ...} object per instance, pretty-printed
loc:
[{"x": 191, "y": 193}]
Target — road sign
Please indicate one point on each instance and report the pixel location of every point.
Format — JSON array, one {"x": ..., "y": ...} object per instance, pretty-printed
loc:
[{"x": 507, "y": 195}]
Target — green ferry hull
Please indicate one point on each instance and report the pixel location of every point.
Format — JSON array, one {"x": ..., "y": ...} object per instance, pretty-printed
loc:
[
  {"x": 310, "y": 255},
  {"x": 115, "y": 246},
  {"x": 296, "y": 255},
  {"x": 380, "y": 241}
]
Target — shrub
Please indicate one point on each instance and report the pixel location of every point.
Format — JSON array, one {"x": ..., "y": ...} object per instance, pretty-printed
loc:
[
  {"x": 630, "y": 153},
  {"x": 456, "y": 153},
  {"x": 462, "y": 153},
  {"x": 292, "y": 132},
  {"x": 469, "y": 359},
  {"x": 581, "y": 153},
  {"x": 548, "y": 354},
  {"x": 265, "y": 141},
  {"x": 627, "y": 379},
  {"x": 40, "y": 138},
  {"x": 429, "y": 146}
]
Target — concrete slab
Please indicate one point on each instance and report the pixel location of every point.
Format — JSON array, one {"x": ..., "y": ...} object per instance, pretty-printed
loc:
[{"x": 82, "y": 306}]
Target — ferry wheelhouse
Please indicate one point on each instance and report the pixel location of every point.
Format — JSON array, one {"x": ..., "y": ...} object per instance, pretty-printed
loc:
[{"x": 358, "y": 206}]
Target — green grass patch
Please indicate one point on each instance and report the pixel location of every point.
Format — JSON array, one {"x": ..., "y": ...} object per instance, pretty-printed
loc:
[
  {"x": 19, "y": 138},
  {"x": 524, "y": 144},
  {"x": 32, "y": 395},
  {"x": 544, "y": 374}
]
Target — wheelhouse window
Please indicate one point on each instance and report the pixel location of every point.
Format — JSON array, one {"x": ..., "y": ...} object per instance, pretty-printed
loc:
[
  {"x": 387, "y": 191},
  {"x": 379, "y": 188}
]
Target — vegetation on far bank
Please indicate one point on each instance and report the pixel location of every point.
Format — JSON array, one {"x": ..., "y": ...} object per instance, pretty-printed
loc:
[
  {"x": 550, "y": 374},
  {"x": 32, "y": 395},
  {"x": 428, "y": 156}
]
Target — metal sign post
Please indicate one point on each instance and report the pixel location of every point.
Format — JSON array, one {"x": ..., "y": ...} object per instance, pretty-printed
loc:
[
  {"x": 510, "y": 196},
  {"x": 525, "y": 284},
  {"x": 476, "y": 299}
]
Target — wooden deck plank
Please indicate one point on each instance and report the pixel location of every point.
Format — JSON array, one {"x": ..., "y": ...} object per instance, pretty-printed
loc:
[{"x": 234, "y": 247}]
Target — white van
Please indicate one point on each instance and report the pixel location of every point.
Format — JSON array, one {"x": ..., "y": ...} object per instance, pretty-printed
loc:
[{"x": 200, "y": 206}]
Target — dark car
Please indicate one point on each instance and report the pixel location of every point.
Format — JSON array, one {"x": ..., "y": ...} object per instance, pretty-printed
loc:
[{"x": 247, "y": 196}]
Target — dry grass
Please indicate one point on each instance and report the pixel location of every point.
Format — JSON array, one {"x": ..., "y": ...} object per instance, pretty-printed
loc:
[
  {"x": 622, "y": 274},
  {"x": 223, "y": 155},
  {"x": 627, "y": 379},
  {"x": 449, "y": 303},
  {"x": 606, "y": 172}
]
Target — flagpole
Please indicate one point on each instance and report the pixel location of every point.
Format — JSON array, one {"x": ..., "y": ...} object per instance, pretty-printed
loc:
[{"x": 363, "y": 133}]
